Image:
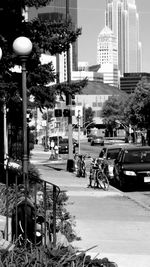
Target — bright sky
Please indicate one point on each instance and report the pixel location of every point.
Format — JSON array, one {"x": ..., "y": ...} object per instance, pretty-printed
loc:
[{"x": 91, "y": 18}]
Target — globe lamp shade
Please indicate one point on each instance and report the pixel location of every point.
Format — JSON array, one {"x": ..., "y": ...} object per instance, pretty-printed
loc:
[
  {"x": 0, "y": 53},
  {"x": 22, "y": 46}
]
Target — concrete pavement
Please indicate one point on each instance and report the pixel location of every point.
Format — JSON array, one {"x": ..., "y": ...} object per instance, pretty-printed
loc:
[{"x": 115, "y": 224}]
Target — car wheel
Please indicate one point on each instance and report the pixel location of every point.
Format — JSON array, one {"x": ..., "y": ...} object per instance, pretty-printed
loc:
[
  {"x": 122, "y": 184},
  {"x": 115, "y": 181}
]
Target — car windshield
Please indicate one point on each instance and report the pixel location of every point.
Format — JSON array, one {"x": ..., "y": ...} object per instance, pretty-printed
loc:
[
  {"x": 64, "y": 140},
  {"x": 112, "y": 154},
  {"x": 137, "y": 156}
]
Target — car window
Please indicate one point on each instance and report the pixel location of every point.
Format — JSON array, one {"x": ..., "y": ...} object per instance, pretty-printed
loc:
[
  {"x": 64, "y": 140},
  {"x": 112, "y": 154},
  {"x": 102, "y": 152},
  {"x": 137, "y": 156}
]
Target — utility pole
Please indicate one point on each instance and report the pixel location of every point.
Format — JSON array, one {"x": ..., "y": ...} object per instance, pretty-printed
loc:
[{"x": 70, "y": 162}]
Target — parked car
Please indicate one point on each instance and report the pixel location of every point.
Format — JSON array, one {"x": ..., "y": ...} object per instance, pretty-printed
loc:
[
  {"x": 64, "y": 146},
  {"x": 109, "y": 154},
  {"x": 132, "y": 167},
  {"x": 97, "y": 140}
]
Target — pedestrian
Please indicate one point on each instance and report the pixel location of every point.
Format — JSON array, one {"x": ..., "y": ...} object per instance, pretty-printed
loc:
[
  {"x": 143, "y": 139},
  {"x": 56, "y": 149},
  {"x": 52, "y": 145}
]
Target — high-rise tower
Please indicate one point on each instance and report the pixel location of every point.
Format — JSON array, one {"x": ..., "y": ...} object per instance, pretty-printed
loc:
[
  {"x": 122, "y": 18},
  {"x": 107, "y": 56},
  {"x": 56, "y": 10}
]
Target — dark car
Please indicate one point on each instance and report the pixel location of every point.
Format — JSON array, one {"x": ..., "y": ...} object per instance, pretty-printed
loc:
[
  {"x": 97, "y": 140},
  {"x": 64, "y": 146},
  {"x": 109, "y": 154},
  {"x": 132, "y": 167}
]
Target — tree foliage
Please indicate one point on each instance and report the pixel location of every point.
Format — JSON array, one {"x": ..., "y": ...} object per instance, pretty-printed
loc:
[
  {"x": 113, "y": 110},
  {"x": 89, "y": 114},
  {"x": 131, "y": 109},
  {"x": 47, "y": 37},
  {"x": 138, "y": 108}
]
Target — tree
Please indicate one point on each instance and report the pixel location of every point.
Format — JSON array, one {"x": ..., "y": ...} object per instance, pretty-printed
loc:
[
  {"x": 47, "y": 115},
  {"x": 47, "y": 37},
  {"x": 138, "y": 108},
  {"x": 53, "y": 37},
  {"x": 113, "y": 110},
  {"x": 88, "y": 115}
]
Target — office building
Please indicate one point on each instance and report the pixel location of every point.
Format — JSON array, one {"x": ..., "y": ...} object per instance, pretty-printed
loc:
[
  {"x": 122, "y": 18},
  {"x": 56, "y": 11},
  {"x": 107, "y": 56},
  {"x": 129, "y": 81}
]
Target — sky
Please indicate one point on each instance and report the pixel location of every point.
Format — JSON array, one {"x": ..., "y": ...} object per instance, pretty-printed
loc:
[{"x": 91, "y": 18}]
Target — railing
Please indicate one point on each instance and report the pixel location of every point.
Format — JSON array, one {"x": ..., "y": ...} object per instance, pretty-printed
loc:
[{"x": 32, "y": 210}]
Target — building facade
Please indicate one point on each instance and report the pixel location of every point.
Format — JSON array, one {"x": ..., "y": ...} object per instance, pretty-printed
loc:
[
  {"x": 56, "y": 11},
  {"x": 122, "y": 18},
  {"x": 107, "y": 56},
  {"x": 129, "y": 81}
]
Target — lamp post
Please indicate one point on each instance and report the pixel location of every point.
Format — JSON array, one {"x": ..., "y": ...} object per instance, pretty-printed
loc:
[
  {"x": 78, "y": 119},
  {"x": 22, "y": 47}
]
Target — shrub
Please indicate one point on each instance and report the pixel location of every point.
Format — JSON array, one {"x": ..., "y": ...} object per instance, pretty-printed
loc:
[{"x": 54, "y": 257}]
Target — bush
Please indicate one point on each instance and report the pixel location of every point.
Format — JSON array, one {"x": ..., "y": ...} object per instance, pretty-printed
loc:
[{"x": 54, "y": 257}]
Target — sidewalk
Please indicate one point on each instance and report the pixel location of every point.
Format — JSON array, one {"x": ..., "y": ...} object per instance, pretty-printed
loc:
[{"x": 107, "y": 220}]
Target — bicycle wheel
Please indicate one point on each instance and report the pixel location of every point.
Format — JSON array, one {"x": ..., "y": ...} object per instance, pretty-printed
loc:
[{"x": 102, "y": 180}]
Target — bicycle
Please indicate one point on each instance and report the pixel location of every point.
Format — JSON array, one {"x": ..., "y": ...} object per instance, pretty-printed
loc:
[{"x": 97, "y": 175}]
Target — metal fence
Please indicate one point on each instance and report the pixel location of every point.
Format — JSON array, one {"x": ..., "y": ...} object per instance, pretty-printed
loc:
[{"x": 31, "y": 211}]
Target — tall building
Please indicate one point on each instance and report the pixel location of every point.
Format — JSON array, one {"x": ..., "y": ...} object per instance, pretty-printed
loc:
[
  {"x": 107, "y": 47},
  {"x": 56, "y": 10},
  {"x": 107, "y": 56},
  {"x": 122, "y": 18}
]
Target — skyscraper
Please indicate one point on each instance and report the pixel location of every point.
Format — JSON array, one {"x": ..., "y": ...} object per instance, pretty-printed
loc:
[
  {"x": 107, "y": 47},
  {"x": 122, "y": 18},
  {"x": 56, "y": 10},
  {"x": 107, "y": 56}
]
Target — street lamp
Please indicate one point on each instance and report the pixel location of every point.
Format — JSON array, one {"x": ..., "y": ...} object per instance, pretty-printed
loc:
[
  {"x": 79, "y": 119},
  {"x": 22, "y": 47}
]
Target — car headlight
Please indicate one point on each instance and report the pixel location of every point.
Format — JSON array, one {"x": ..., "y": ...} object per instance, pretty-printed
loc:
[{"x": 130, "y": 173}]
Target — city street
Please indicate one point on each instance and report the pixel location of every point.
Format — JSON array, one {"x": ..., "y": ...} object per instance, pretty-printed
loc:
[{"x": 112, "y": 221}]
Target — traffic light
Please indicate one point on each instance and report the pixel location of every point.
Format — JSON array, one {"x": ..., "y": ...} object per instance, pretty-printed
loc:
[
  {"x": 66, "y": 113},
  {"x": 58, "y": 112},
  {"x": 73, "y": 100}
]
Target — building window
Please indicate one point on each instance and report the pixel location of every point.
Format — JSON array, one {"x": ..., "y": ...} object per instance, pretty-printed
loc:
[
  {"x": 98, "y": 113},
  {"x": 100, "y": 104},
  {"x": 94, "y": 104}
]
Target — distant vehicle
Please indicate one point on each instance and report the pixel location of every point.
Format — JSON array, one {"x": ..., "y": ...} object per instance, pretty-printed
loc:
[
  {"x": 97, "y": 140},
  {"x": 132, "y": 167},
  {"x": 89, "y": 137},
  {"x": 109, "y": 154},
  {"x": 64, "y": 146}
]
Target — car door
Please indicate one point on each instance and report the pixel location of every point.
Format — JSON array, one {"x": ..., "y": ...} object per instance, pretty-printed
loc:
[{"x": 117, "y": 165}]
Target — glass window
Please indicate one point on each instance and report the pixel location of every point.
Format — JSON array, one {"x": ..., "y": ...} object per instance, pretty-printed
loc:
[{"x": 94, "y": 104}]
